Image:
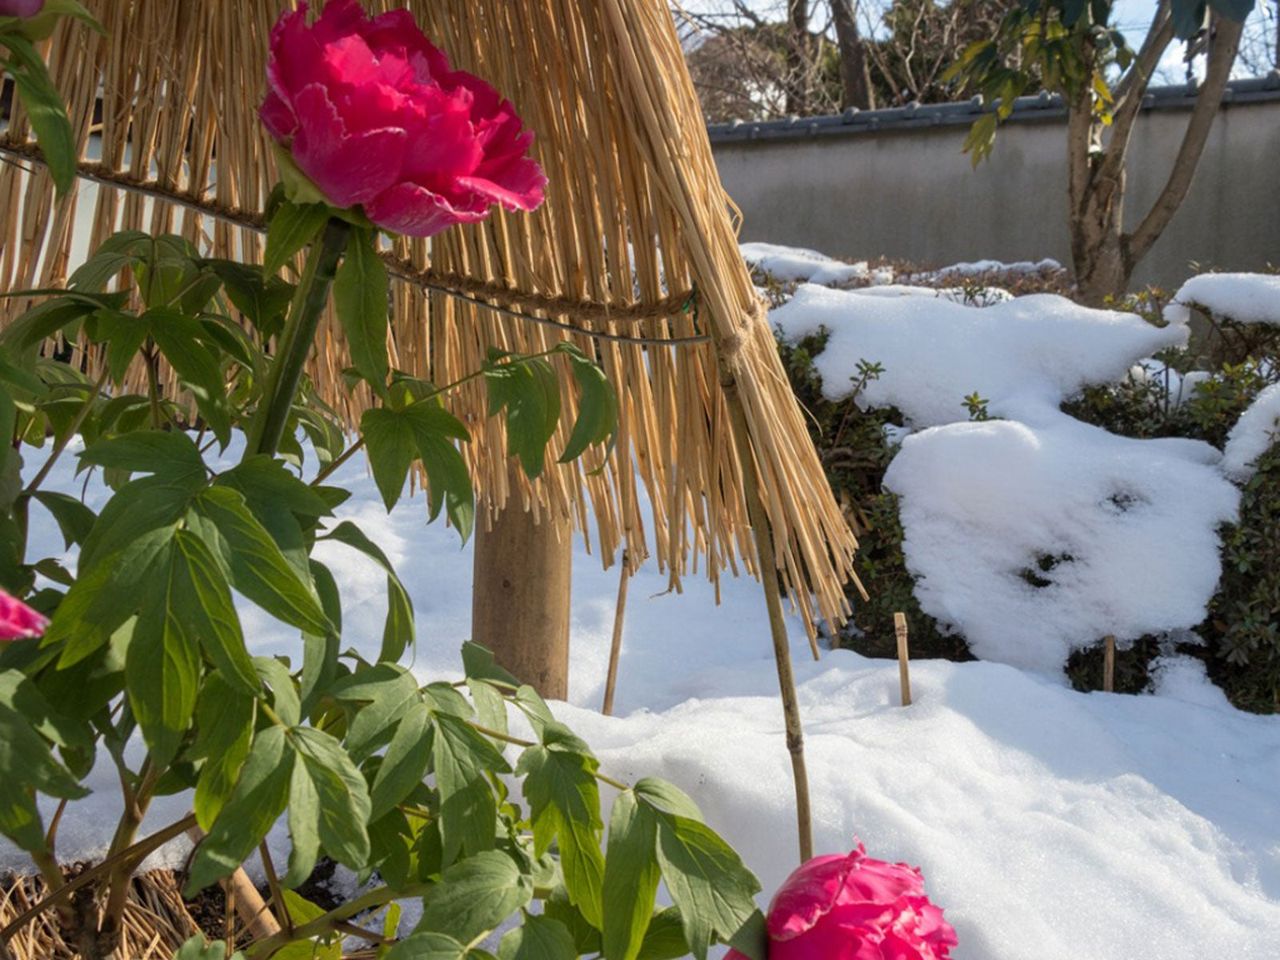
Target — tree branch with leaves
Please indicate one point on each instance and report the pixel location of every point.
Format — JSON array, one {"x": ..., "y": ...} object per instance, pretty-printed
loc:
[{"x": 1073, "y": 48}]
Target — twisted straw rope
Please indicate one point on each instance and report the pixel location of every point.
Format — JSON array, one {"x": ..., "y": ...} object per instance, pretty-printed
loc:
[{"x": 483, "y": 293}]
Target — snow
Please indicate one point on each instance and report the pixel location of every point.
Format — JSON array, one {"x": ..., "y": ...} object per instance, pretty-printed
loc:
[
  {"x": 1020, "y": 354},
  {"x": 1242, "y": 297},
  {"x": 1127, "y": 528},
  {"x": 1254, "y": 433},
  {"x": 1049, "y": 823},
  {"x": 797, "y": 263},
  {"x": 977, "y": 268},
  {"x": 1034, "y": 535},
  {"x": 980, "y": 297}
]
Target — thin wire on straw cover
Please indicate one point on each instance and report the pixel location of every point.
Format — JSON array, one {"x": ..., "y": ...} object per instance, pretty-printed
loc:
[{"x": 635, "y": 216}]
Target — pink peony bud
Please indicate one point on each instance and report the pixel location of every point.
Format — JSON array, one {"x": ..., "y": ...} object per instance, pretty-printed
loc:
[
  {"x": 855, "y": 908},
  {"x": 17, "y": 620},
  {"x": 373, "y": 115},
  {"x": 20, "y": 8}
]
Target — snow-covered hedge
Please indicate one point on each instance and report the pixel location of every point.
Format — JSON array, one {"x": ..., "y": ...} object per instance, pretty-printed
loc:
[{"x": 1035, "y": 534}]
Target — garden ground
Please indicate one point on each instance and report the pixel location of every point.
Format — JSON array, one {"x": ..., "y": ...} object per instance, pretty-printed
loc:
[{"x": 1051, "y": 824}]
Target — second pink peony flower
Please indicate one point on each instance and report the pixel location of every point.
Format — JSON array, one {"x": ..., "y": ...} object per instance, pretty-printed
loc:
[{"x": 854, "y": 907}]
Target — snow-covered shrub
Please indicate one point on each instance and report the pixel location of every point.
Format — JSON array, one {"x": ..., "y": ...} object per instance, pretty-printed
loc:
[
  {"x": 856, "y": 446},
  {"x": 1117, "y": 531},
  {"x": 1244, "y": 620}
]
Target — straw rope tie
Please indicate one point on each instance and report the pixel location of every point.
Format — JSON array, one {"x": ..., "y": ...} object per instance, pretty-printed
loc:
[{"x": 491, "y": 295}]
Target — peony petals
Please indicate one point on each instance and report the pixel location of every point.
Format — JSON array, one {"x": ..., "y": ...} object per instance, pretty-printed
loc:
[
  {"x": 17, "y": 620},
  {"x": 442, "y": 144},
  {"x": 397, "y": 31},
  {"x": 372, "y": 113},
  {"x": 348, "y": 168},
  {"x": 825, "y": 941},
  {"x": 806, "y": 895},
  {"x": 415, "y": 211},
  {"x": 277, "y": 116},
  {"x": 855, "y": 908},
  {"x": 20, "y": 8},
  {"x": 523, "y": 189}
]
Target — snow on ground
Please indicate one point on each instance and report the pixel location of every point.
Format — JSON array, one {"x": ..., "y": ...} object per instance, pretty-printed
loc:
[
  {"x": 1026, "y": 352},
  {"x": 1036, "y": 539},
  {"x": 1254, "y": 433},
  {"x": 797, "y": 263},
  {"x": 980, "y": 297},
  {"x": 1242, "y": 297},
  {"x": 1051, "y": 824},
  {"x": 978, "y": 268}
]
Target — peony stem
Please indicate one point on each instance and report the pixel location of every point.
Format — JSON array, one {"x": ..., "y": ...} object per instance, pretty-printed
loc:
[{"x": 294, "y": 346}]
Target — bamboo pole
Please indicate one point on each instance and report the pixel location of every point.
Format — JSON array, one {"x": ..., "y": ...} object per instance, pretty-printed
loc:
[
  {"x": 904, "y": 671},
  {"x": 615, "y": 650},
  {"x": 777, "y": 624},
  {"x": 240, "y": 891}
]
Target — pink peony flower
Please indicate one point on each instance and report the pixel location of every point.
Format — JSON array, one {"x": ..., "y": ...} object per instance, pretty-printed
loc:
[
  {"x": 17, "y": 620},
  {"x": 374, "y": 116},
  {"x": 20, "y": 8},
  {"x": 855, "y": 908}
]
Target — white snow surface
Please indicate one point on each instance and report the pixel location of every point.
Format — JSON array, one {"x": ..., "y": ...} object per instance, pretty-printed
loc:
[
  {"x": 1034, "y": 535},
  {"x": 975, "y": 268},
  {"x": 1050, "y": 824},
  {"x": 1253, "y": 434},
  {"x": 1127, "y": 528},
  {"x": 797, "y": 263},
  {"x": 982, "y": 297},
  {"x": 1019, "y": 354},
  {"x": 1242, "y": 297}
]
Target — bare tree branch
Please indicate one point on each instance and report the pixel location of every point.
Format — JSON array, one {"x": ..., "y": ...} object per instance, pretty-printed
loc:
[{"x": 1222, "y": 54}]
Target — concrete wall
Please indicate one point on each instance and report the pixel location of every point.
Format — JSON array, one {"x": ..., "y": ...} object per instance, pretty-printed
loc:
[{"x": 895, "y": 183}]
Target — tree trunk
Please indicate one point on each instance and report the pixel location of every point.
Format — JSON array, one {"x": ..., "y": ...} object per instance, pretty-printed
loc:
[
  {"x": 855, "y": 72},
  {"x": 1102, "y": 269},
  {"x": 797, "y": 58},
  {"x": 520, "y": 598}
]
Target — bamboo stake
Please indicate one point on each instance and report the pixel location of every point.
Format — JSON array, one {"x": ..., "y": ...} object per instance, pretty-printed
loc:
[
  {"x": 616, "y": 648},
  {"x": 777, "y": 625},
  {"x": 615, "y": 651},
  {"x": 249, "y": 905},
  {"x": 1109, "y": 664},
  {"x": 904, "y": 671}
]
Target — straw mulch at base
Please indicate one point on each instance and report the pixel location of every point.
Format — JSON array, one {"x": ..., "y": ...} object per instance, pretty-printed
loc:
[
  {"x": 156, "y": 921},
  {"x": 633, "y": 256}
]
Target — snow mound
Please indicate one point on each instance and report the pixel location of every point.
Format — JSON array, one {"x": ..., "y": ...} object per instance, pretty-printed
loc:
[
  {"x": 980, "y": 297},
  {"x": 1025, "y": 353},
  {"x": 976, "y": 268},
  {"x": 1252, "y": 436},
  {"x": 1050, "y": 825},
  {"x": 797, "y": 263},
  {"x": 1034, "y": 541},
  {"x": 1242, "y": 297}
]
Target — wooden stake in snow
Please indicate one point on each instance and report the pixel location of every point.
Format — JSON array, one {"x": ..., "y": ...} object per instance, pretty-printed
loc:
[
  {"x": 1109, "y": 664},
  {"x": 615, "y": 651},
  {"x": 904, "y": 671}
]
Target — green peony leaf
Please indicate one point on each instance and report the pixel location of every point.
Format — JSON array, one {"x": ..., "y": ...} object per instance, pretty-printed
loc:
[
  {"x": 631, "y": 876},
  {"x": 475, "y": 896},
  {"x": 360, "y": 297},
  {"x": 259, "y": 798},
  {"x": 538, "y": 938}
]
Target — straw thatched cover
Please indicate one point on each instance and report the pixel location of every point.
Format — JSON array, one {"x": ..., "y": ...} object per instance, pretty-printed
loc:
[{"x": 635, "y": 228}]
